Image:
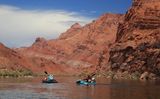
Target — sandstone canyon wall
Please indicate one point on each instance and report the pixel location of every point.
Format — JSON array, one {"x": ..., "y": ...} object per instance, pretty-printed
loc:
[
  {"x": 12, "y": 63},
  {"x": 78, "y": 48},
  {"x": 137, "y": 47}
]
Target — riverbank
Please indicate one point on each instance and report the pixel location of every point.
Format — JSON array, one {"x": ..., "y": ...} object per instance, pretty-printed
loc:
[
  {"x": 119, "y": 75},
  {"x": 106, "y": 74},
  {"x": 5, "y": 73},
  {"x": 15, "y": 73}
]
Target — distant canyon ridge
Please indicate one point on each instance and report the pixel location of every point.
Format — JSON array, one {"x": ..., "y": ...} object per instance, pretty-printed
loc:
[
  {"x": 123, "y": 45},
  {"x": 77, "y": 50}
]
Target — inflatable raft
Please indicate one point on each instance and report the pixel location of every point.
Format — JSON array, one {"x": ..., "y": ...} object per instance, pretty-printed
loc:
[
  {"x": 49, "y": 81},
  {"x": 82, "y": 82}
]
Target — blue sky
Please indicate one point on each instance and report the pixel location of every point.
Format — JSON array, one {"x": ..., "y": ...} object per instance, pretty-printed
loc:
[
  {"x": 96, "y": 7},
  {"x": 21, "y": 21}
]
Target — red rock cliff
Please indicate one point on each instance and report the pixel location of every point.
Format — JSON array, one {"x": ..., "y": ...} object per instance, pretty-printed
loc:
[
  {"x": 78, "y": 47},
  {"x": 137, "y": 47},
  {"x": 10, "y": 60}
]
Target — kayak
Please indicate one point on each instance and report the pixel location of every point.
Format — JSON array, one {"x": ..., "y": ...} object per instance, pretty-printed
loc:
[
  {"x": 49, "y": 81},
  {"x": 82, "y": 82}
]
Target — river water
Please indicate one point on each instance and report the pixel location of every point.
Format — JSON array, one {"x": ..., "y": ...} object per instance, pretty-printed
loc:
[{"x": 32, "y": 88}]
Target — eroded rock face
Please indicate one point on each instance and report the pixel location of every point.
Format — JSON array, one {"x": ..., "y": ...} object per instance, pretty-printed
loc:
[
  {"x": 14, "y": 63},
  {"x": 79, "y": 47},
  {"x": 10, "y": 60},
  {"x": 90, "y": 43},
  {"x": 70, "y": 32},
  {"x": 137, "y": 46}
]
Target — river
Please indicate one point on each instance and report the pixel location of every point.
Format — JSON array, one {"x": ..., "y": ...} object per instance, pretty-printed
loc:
[{"x": 32, "y": 88}]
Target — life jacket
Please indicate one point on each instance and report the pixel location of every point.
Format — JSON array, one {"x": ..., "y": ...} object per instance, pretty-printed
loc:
[{"x": 50, "y": 77}]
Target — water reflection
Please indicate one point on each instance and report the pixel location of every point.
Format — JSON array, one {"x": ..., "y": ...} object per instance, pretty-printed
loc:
[{"x": 30, "y": 88}]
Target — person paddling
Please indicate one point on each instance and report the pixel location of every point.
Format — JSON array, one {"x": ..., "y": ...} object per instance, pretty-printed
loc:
[
  {"x": 49, "y": 76},
  {"x": 90, "y": 78}
]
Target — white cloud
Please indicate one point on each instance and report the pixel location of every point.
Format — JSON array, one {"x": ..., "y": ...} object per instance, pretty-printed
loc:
[{"x": 19, "y": 27}]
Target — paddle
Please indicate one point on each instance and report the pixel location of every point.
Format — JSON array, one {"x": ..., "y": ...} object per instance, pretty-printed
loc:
[
  {"x": 93, "y": 74},
  {"x": 45, "y": 72}
]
